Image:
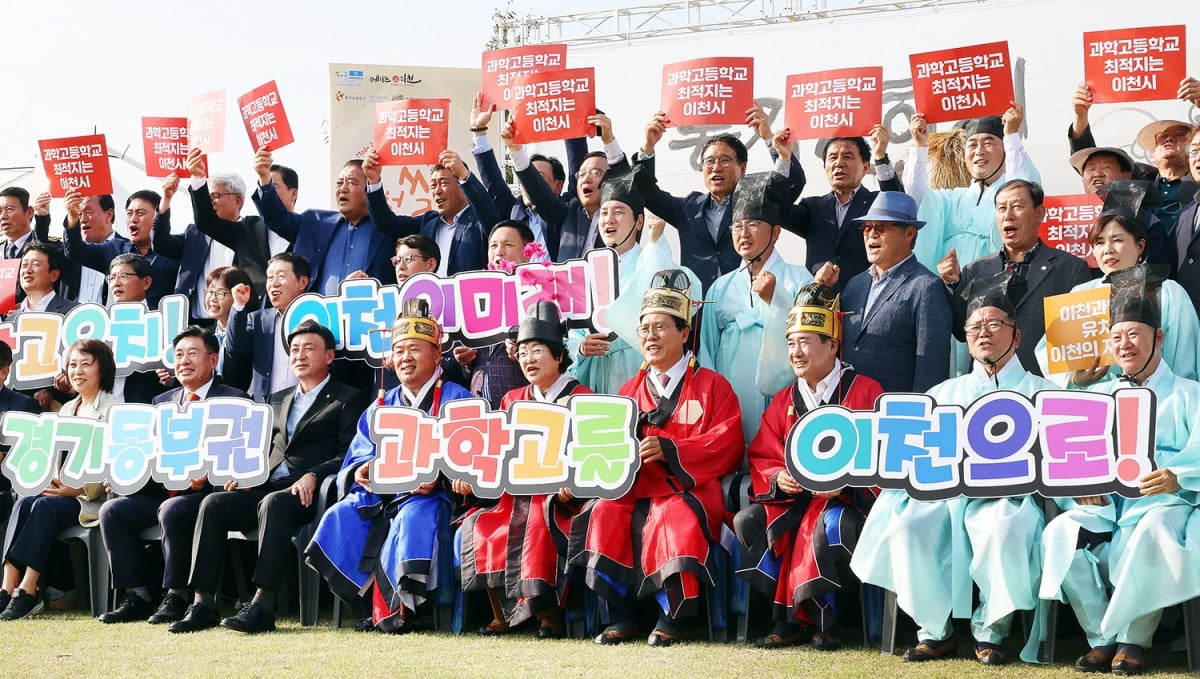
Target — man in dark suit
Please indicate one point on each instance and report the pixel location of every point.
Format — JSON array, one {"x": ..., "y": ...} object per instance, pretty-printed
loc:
[
  {"x": 40, "y": 273},
  {"x": 459, "y": 225},
  {"x": 826, "y": 223},
  {"x": 13, "y": 401},
  {"x": 16, "y": 214},
  {"x": 1188, "y": 229},
  {"x": 897, "y": 315},
  {"x": 257, "y": 337},
  {"x": 122, "y": 519},
  {"x": 336, "y": 243},
  {"x": 314, "y": 425},
  {"x": 1046, "y": 270},
  {"x": 130, "y": 277}
]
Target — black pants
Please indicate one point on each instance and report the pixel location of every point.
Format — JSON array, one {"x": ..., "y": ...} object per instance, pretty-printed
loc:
[
  {"x": 122, "y": 520},
  {"x": 33, "y": 527},
  {"x": 277, "y": 516},
  {"x": 177, "y": 519}
]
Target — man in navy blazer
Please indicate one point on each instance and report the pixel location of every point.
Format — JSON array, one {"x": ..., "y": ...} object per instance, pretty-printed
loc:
[
  {"x": 826, "y": 223},
  {"x": 459, "y": 225},
  {"x": 257, "y": 337},
  {"x": 703, "y": 219},
  {"x": 336, "y": 243},
  {"x": 13, "y": 401},
  {"x": 122, "y": 519},
  {"x": 1188, "y": 229},
  {"x": 897, "y": 312}
]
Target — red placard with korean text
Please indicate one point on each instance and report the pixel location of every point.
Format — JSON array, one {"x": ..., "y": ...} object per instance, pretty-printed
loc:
[
  {"x": 206, "y": 121},
  {"x": 8, "y": 285},
  {"x": 553, "y": 105},
  {"x": 846, "y": 102},
  {"x": 411, "y": 131},
  {"x": 961, "y": 83},
  {"x": 79, "y": 163},
  {"x": 710, "y": 91},
  {"x": 165, "y": 143},
  {"x": 1135, "y": 64},
  {"x": 1067, "y": 221},
  {"x": 501, "y": 67},
  {"x": 264, "y": 117}
]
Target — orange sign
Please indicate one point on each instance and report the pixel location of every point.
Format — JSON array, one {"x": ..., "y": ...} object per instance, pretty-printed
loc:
[
  {"x": 847, "y": 102},
  {"x": 79, "y": 163},
  {"x": 1135, "y": 64},
  {"x": 501, "y": 67},
  {"x": 411, "y": 131},
  {"x": 1077, "y": 330},
  {"x": 553, "y": 105},
  {"x": 164, "y": 141},
  {"x": 1067, "y": 221},
  {"x": 206, "y": 121},
  {"x": 711, "y": 91},
  {"x": 962, "y": 83},
  {"x": 266, "y": 121}
]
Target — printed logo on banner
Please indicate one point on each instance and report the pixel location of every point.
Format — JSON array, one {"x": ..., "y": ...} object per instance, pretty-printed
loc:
[
  {"x": 500, "y": 68},
  {"x": 411, "y": 131},
  {"x": 710, "y": 91},
  {"x": 961, "y": 83},
  {"x": 1077, "y": 330},
  {"x": 552, "y": 105},
  {"x": 1058, "y": 444},
  {"x": 588, "y": 445},
  {"x": 140, "y": 338},
  {"x": 265, "y": 120},
  {"x": 77, "y": 163},
  {"x": 1135, "y": 64},
  {"x": 225, "y": 439},
  {"x": 476, "y": 308},
  {"x": 165, "y": 145},
  {"x": 206, "y": 121},
  {"x": 846, "y": 102}
]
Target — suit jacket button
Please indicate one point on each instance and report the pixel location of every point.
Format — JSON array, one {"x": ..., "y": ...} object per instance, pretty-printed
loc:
[{"x": 1190, "y": 260}]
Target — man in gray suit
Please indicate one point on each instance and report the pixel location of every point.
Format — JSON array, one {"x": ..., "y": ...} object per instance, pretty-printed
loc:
[
  {"x": 1047, "y": 271},
  {"x": 897, "y": 323}
]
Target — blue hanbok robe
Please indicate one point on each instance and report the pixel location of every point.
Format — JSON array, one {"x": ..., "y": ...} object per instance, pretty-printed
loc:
[
  {"x": 929, "y": 553},
  {"x": 732, "y": 335}
]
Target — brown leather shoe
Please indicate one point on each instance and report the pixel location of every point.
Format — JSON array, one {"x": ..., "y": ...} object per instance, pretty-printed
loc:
[
  {"x": 1098, "y": 659},
  {"x": 616, "y": 634},
  {"x": 1128, "y": 661},
  {"x": 931, "y": 650},
  {"x": 660, "y": 639},
  {"x": 990, "y": 656},
  {"x": 494, "y": 628},
  {"x": 774, "y": 640}
]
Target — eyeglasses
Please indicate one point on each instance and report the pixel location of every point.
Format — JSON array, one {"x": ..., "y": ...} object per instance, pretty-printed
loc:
[
  {"x": 878, "y": 227},
  {"x": 406, "y": 259},
  {"x": 531, "y": 354},
  {"x": 216, "y": 293},
  {"x": 594, "y": 173},
  {"x": 723, "y": 161},
  {"x": 217, "y": 195},
  {"x": 993, "y": 327},
  {"x": 751, "y": 225},
  {"x": 655, "y": 330},
  {"x": 122, "y": 276},
  {"x": 191, "y": 355}
]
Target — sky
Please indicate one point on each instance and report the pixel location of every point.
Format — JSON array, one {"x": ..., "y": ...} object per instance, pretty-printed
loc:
[{"x": 71, "y": 66}]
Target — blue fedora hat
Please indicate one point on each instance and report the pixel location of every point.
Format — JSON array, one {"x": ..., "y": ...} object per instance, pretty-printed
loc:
[{"x": 893, "y": 206}]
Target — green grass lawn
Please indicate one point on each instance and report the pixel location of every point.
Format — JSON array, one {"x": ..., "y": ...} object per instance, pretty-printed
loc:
[{"x": 62, "y": 644}]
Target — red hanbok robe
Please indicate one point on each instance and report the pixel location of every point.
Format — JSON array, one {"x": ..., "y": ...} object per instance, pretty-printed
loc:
[
  {"x": 672, "y": 516},
  {"x": 520, "y": 544},
  {"x": 802, "y": 564}
]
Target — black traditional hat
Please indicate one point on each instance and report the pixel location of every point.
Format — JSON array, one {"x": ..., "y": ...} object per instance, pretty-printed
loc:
[
  {"x": 1134, "y": 294},
  {"x": 1127, "y": 196},
  {"x": 762, "y": 196},
  {"x": 669, "y": 293},
  {"x": 993, "y": 125},
  {"x": 817, "y": 309},
  {"x": 626, "y": 186},
  {"x": 543, "y": 324},
  {"x": 1002, "y": 290},
  {"x": 416, "y": 322}
]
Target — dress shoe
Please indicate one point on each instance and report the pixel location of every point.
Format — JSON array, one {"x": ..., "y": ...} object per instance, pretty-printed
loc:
[
  {"x": 133, "y": 608},
  {"x": 1098, "y": 659},
  {"x": 170, "y": 610},
  {"x": 616, "y": 634},
  {"x": 990, "y": 654},
  {"x": 776, "y": 640},
  {"x": 494, "y": 628},
  {"x": 931, "y": 650},
  {"x": 365, "y": 625},
  {"x": 1128, "y": 661},
  {"x": 252, "y": 619},
  {"x": 824, "y": 641},
  {"x": 660, "y": 639},
  {"x": 22, "y": 605},
  {"x": 197, "y": 617}
]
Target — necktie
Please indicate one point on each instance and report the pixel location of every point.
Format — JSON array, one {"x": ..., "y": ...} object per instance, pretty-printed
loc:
[
  {"x": 664, "y": 379},
  {"x": 192, "y": 396},
  {"x": 10, "y": 251}
]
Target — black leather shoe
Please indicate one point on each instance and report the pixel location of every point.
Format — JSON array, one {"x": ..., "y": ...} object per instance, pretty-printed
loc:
[
  {"x": 1098, "y": 659},
  {"x": 197, "y": 617},
  {"x": 1129, "y": 660},
  {"x": 133, "y": 608},
  {"x": 824, "y": 641},
  {"x": 170, "y": 610},
  {"x": 662, "y": 639},
  {"x": 616, "y": 634},
  {"x": 931, "y": 650},
  {"x": 990, "y": 655},
  {"x": 251, "y": 620}
]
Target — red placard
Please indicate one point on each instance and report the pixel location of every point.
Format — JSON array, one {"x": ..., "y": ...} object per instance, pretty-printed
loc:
[
  {"x": 77, "y": 163},
  {"x": 411, "y": 131},
  {"x": 553, "y": 105},
  {"x": 266, "y": 121},
  {"x": 165, "y": 143},
  {"x": 501, "y": 67},
  {"x": 206, "y": 121},
  {"x": 962, "y": 83},
  {"x": 711, "y": 91},
  {"x": 9, "y": 270},
  {"x": 1067, "y": 221},
  {"x": 846, "y": 102},
  {"x": 1135, "y": 64}
]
